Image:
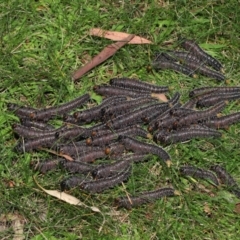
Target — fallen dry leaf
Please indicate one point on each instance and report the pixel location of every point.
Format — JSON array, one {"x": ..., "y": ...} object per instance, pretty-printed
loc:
[
  {"x": 160, "y": 96},
  {"x": 14, "y": 221},
  {"x": 237, "y": 208},
  {"x": 66, "y": 197},
  {"x": 117, "y": 36},
  {"x": 106, "y": 53},
  {"x": 67, "y": 157}
]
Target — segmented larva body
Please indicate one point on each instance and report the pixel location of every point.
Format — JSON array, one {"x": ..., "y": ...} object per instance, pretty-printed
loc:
[
  {"x": 190, "y": 104},
  {"x": 200, "y": 115},
  {"x": 155, "y": 123},
  {"x": 27, "y": 132},
  {"x": 36, "y": 143},
  {"x": 45, "y": 114},
  {"x": 166, "y": 123},
  {"x": 103, "y": 184},
  {"x": 94, "y": 113},
  {"x": 91, "y": 156},
  {"x": 141, "y": 147},
  {"x": 107, "y": 138},
  {"x": 173, "y": 66},
  {"x": 136, "y": 116},
  {"x": 20, "y": 111},
  {"x": 223, "y": 175},
  {"x": 71, "y": 182},
  {"x": 70, "y": 133},
  {"x": 195, "y": 67},
  {"x": 181, "y": 112},
  {"x": 106, "y": 91},
  {"x": 143, "y": 198},
  {"x": 36, "y": 124},
  {"x": 115, "y": 149},
  {"x": 199, "y": 173},
  {"x": 193, "y": 47},
  {"x": 226, "y": 179},
  {"x": 112, "y": 111},
  {"x": 224, "y": 121},
  {"x": 202, "y": 90},
  {"x": 48, "y": 165},
  {"x": 69, "y": 119},
  {"x": 131, "y": 83},
  {"x": 107, "y": 170},
  {"x": 181, "y": 57},
  {"x": 76, "y": 149},
  {"x": 184, "y": 135},
  {"x": 213, "y": 99},
  {"x": 76, "y": 167}
]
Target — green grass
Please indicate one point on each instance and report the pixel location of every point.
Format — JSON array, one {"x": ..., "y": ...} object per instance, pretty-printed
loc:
[{"x": 43, "y": 42}]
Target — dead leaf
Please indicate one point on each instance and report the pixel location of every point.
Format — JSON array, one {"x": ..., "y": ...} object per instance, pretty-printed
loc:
[
  {"x": 117, "y": 36},
  {"x": 16, "y": 223},
  {"x": 67, "y": 157},
  {"x": 106, "y": 53},
  {"x": 237, "y": 208},
  {"x": 160, "y": 96}
]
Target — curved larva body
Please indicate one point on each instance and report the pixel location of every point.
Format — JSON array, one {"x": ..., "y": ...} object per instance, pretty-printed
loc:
[
  {"x": 45, "y": 114},
  {"x": 199, "y": 173},
  {"x": 141, "y": 147},
  {"x": 101, "y": 185},
  {"x": 193, "y": 47},
  {"x": 144, "y": 198},
  {"x": 173, "y": 66},
  {"x": 131, "y": 83}
]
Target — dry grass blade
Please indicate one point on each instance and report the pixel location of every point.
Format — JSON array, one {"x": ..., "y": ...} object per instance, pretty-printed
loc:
[
  {"x": 117, "y": 36},
  {"x": 106, "y": 53}
]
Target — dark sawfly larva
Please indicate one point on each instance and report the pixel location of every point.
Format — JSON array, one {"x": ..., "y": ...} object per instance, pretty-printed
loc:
[
  {"x": 193, "y": 47},
  {"x": 36, "y": 143},
  {"x": 184, "y": 135},
  {"x": 114, "y": 149},
  {"x": 75, "y": 149},
  {"x": 67, "y": 118},
  {"x": 152, "y": 116},
  {"x": 36, "y": 124},
  {"x": 47, "y": 165},
  {"x": 144, "y": 198},
  {"x": 190, "y": 104},
  {"x": 106, "y": 91},
  {"x": 103, "y": 184},
  {"x": 196, "y": 116},
  {"x": 76, "y": 167},
  {"x": 91, "y": 156},
  {"x": 173, "y": 66},
  {"x": 112, "y": 111},
  {"x": 71, "y": 133},
  {"x": 46, "y": 114},
  {"x": 214, "y": 99},
  {"x": 198, "y": 91},
  {"x": 155, "y": 123},
  {"x": 203, "y": 70},
  {"x": 20, "y": 111},
  {"x": 136, "y": 116},
  {"x": 107, "y": 170},
  {"x": 224, "y": 176},
  {"x": 141, "y": 147},
  {"x": 107, "y": 138},
  {"x": 71, "y": 182},
  {"x": 199, "y": 173},
  {"x": 27, "y": 132},
  {"x": 226, "y": 179},
  {"x": 224, "y": 121},
  {"x": 94, "y": 113},
  {"x": 131, "y": 83}
]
